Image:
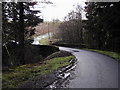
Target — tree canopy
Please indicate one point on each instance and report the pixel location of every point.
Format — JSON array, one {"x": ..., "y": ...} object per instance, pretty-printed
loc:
[
  {"x": 18, "y": 24},
  {"x": 102, "y": 26},
  {"x": 101, "y": 29}
]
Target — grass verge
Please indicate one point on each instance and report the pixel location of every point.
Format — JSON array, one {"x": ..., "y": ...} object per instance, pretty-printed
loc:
[
  {"x": 16, "y": 76},
  {"x": 111, "y": 54},
  {"x": 44, "y": 41}
]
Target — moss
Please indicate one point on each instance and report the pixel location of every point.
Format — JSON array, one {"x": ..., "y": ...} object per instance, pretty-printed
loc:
[
  {"x": 16, "y": 76},
  {"x": 111, "y": 54}
]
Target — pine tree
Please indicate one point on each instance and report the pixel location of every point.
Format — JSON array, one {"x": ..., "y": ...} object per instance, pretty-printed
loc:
[
  {"x": 103, "y": 25},
  {"x": 17, "y": 18}
]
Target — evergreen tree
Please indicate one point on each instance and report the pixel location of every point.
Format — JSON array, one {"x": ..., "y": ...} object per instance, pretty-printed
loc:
[
  {"x": 103, "y": 25},
  {"x": 18, "y": 18}
]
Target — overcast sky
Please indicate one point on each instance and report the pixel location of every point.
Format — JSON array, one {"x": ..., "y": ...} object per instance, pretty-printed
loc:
[{"x": 59, "y": 9}]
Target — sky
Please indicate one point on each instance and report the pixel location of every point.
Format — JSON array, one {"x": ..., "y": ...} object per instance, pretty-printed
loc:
[{"x": 59, "y": 9}]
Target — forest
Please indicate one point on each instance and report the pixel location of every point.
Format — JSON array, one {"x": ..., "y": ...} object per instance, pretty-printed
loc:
[
  {"x": 101, "y": 29},
  {"x": 18, "y": 25},
  {"x": 61, "y": 52}
]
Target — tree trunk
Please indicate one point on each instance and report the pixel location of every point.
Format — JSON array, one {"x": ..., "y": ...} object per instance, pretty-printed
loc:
[
  {"x": 14, "y": 21},
  {"x": 21, "y": 33}
]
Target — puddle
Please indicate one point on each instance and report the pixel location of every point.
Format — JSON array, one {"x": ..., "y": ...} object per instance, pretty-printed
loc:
[
  {"x": 64, "y": 75},
  {"x": 62, "y": 78},
  {"x": 75, "y": 51}
]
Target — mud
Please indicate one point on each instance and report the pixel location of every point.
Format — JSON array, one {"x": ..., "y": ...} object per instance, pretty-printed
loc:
[{"x": 52, "y": 80}]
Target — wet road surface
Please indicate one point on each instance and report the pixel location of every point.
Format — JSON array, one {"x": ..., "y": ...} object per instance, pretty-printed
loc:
[
  {"x": 93, "y": 70},
  {"x": 37, "y": 39}
]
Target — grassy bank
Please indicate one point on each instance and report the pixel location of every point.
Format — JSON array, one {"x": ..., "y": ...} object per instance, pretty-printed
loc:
[
  {"x": 44, "y": 41},
  {"x": 16, "y": 76},
  {"x": 111, "y": 54}
]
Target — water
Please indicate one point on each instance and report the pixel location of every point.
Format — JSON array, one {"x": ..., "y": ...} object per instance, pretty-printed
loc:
[{"x": 61, "y": 82}]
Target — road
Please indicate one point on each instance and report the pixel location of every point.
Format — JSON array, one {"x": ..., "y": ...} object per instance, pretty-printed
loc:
[
  {"x": 37, "y": 39},
  {"x": 93, "y": 70}
]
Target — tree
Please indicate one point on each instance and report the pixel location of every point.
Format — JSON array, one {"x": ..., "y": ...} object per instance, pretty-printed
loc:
[
  {"x": 71, "y": 28},
  {"x": 17, "y": 18},
  {"x": 102, "y": 25},
  {"x": 21, "y": 33}
]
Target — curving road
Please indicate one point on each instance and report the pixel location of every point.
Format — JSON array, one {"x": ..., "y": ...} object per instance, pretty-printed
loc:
[
  {"x": 38, "y": 38},
  {"x": 93, "y": 70}
]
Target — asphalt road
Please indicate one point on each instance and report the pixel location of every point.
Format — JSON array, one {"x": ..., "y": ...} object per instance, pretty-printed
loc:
[
  {"x": 93, "y": 70},
  {"x": 37, "y": 39}
]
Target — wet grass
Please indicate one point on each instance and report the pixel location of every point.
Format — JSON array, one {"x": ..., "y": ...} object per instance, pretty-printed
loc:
[
  {"x": 16, "y": 76},
  {"x": 111, "y": 54}
]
